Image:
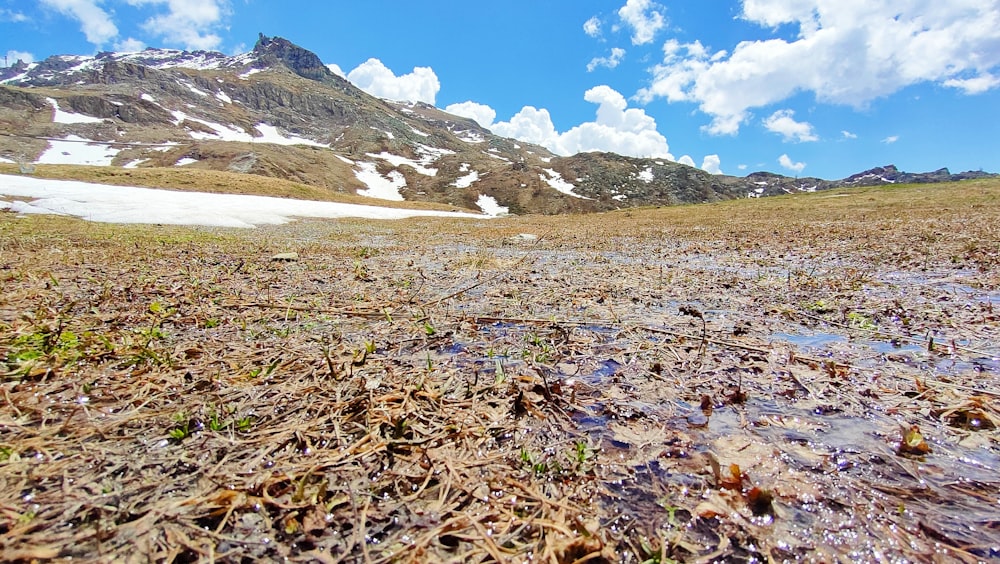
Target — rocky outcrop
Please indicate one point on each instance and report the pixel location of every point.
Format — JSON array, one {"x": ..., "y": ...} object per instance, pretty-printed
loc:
[{"x": 305, "y": 63}]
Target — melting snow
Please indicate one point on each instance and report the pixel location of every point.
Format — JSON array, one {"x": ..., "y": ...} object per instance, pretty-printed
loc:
[
  {"x": 379, "y": 186},
  {"x": 76, "y": 150},
  {"x": 397, "y": 161},
  {"x": 490, "y": 206},
  {"x": 70, "y": 117},
  {"x": 123, "y": 204},
  {"x": 471, "y": 137},
  {"x": 223, "y": 97},
  {"x": 195, "y": 90},
  {"x": 248, "y": 73},
  {"x": 466, "y": 181},
  {"x": 269, "y": 133},
  {"x": 420, "y": 133},
  {"x": 185, "y": 161},
  {"x": 134, "y": 164},
  {"x": 646, "y": 175},
  {"x": 345, "y": 159},
  {"x": 147, "y": 98},
  {"x": 556, "y": 181}
]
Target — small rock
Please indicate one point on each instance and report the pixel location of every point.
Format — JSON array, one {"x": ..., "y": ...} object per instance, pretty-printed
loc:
[{"x": 285, "y": 257}]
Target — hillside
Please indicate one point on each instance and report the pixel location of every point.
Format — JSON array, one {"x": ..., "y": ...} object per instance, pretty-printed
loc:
[{"x": 279, "y": 112}]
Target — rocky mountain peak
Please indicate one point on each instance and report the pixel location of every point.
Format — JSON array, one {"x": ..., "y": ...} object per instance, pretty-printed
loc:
[{"x": 302, "y": 62}]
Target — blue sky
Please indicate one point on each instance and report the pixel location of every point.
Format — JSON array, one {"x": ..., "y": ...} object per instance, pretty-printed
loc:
[{"x": 800, "y": 87}]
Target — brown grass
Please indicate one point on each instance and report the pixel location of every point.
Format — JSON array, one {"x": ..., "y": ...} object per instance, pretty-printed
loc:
[{"x": 441, "y": 390}]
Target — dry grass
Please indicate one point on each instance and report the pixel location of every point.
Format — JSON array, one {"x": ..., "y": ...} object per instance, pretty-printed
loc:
[{"x": 435, "y": 390}]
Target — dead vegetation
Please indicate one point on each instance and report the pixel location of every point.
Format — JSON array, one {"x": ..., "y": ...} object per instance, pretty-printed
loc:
[{"x": 795, "y": 378}]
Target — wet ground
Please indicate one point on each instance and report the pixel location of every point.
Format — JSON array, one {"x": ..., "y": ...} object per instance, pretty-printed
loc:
[{"x": 735, "y": 384}]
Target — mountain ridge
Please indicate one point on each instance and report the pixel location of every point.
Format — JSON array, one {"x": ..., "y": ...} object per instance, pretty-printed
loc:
[{"x": 279, "y": 111}]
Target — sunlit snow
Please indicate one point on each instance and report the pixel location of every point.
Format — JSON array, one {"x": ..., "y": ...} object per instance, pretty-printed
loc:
[
  {"x": 76, "y": 150},
  {"x": 467, "y": 180},
  {"x": 379, "y": 186},
  {"x": 61, "y": 116},
  {"x": 269, "y": 133},
  {"x": 123, "y": 204},
  {"x": 491, "y": 207},
  {"x": 556, "y": 181}
]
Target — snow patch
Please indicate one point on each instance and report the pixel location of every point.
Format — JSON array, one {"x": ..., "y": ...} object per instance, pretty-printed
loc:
[
  {"x": 69, "y": 117},
  {"x": 466, "y": 181},
  {"x": 555, "y": 180},
  {"x": 646, "y": 175},
  {"x": 223, "y": 97},
  {"x": 471, "y": 137},
  {"x": 74, "y": 150},
  {"x": 379, "y": 186},
  {"x": 490, "y": 206},
  {"x": 125, "y": 204},
  {"x": 185, "y": 161},
  {"x": 134, "y": 164}
]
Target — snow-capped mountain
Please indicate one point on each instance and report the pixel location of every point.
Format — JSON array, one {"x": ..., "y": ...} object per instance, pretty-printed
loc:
[{"x": 279, "y": 111}]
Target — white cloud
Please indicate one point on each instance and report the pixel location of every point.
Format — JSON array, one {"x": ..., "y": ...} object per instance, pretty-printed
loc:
[
  {"x": 891, "y": 139},
  {"x": 845, "y": 52},
  {"x": 644, "y": 19},
  {"x": 129, "y": 45},
  {"x": 712, "y": 164},
  {"x": 975, "y": 85},
  {"x": 592, "y": 27},
  {"x": 617, "y": 129},
  {"x": 786, "y": 162},
  {"x": 12, "y": 16},
  {"x": 611, "y": 61},
  {"x": 189, "y": 23},
  {"x": 95, "y": 23},
  {"x": 848, "y": 134},
  {"x": 783, "y": 122},
  {"x": 15, "y": 56},
  {"x": 687, "y": 160},
  {"x": 481, "y": 113},
  {"x": 335, "y": 69},
  {"x": 375, "y": 78}
]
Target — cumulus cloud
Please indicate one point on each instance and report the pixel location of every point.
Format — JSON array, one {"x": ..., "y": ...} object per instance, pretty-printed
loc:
[
  {"x": 481, "y": 113},
  {"x": 335, "y": 69},
  {"x": 189, "y": 23},
  {"x": 611, "y": 61},
  {"x": 712, "y": 164},
  {"x": 616, "y": 129},
  {"x": 891, "y": 139},
  {"x": 15, "y": 56},
  {"x": 783, "y": 122},
  {"x": 644, "y": 18},
  {"x": 844, "y": 53},
  {"x": 421, "y": 85},
  {"x": 592, "y": 27},
  {"x": 687, "y": 160},
  {"x": 95, "y": 23},
  {"x": 129, "y": 45},
  {"x": 786, "y": 162}
]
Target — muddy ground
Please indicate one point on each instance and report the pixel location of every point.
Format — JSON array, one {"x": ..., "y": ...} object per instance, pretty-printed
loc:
[{"x": 807, "y": 378}]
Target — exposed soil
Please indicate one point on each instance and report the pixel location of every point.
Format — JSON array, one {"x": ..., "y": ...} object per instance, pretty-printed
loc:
[{"x": 808, "y": 378}]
